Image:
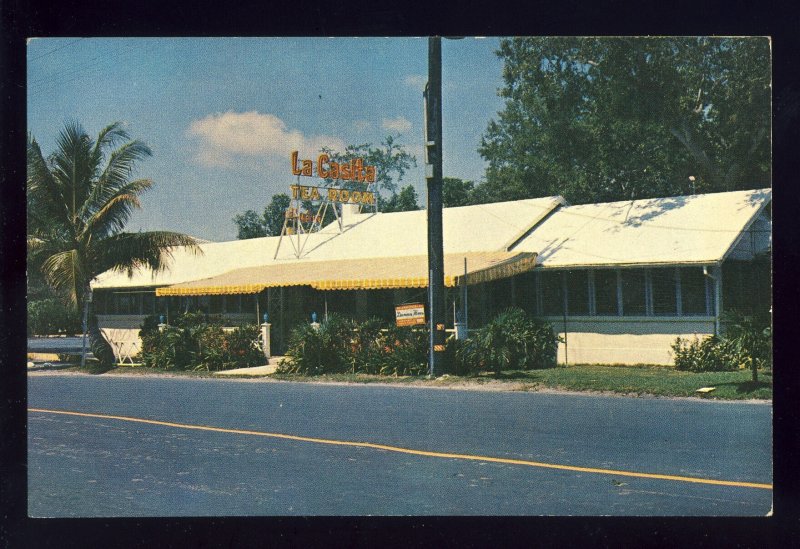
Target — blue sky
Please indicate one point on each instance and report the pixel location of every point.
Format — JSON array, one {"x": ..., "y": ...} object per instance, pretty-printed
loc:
[{"x": 222, "y": 114}]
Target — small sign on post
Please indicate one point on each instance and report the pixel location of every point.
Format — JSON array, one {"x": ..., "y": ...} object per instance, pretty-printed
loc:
[{"x": 410, "y": 314}]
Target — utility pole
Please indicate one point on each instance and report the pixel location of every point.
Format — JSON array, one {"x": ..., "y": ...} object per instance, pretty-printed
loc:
[{"x": 433, "y": 176}]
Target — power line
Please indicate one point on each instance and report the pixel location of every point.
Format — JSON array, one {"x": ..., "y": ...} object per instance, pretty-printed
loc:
[
  {"x": 55, "y": 49},
  {"x": 44, "y": 84},
  {"x": 97, "y": 61}
]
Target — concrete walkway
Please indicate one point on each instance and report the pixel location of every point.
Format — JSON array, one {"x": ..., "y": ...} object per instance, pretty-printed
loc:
[{"x": 265, "y": 370}]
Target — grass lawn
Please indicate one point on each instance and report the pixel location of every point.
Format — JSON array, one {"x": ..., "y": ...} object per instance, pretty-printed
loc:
[
  {"x": 628, "y": 380},
  {"x": 653, "y": 380}
]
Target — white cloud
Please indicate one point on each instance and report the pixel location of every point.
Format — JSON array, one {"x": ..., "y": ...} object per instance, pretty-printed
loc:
[
  {"x": 227, "y": 137},
  {"x": 399, "y": 124},
  {"x": 416, "y": 81}
]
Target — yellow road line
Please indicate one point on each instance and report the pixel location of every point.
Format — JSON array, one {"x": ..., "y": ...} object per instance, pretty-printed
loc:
[{"x": 412, "y": 451}]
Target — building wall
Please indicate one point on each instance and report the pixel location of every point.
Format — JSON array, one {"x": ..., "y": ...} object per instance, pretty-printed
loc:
[
  {"x": 630, "y": 340},
  {"x": 613, "y": 316}
]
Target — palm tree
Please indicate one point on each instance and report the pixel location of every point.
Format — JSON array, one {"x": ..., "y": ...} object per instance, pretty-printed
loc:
[{"x": 79, "y": 200}]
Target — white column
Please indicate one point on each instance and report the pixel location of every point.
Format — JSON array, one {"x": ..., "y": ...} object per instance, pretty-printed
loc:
[
  {"x": 717, "y": 296},
  {"x": 265, "y": 333}
]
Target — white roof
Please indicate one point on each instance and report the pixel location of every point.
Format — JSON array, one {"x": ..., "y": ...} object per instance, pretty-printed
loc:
[
  {"x": 693, "y": 229},
  {"x": 477, "y": 228}
]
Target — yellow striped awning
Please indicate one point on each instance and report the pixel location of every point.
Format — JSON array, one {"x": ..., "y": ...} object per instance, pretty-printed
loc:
[{"x": 358, "y": 274}]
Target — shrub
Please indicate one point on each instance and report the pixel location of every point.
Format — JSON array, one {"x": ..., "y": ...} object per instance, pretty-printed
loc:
[
  {"x": 511, "y": 341},
  {"x": 458, "y": 356},
  {"x": 243, "y": 347},
  {"x": 326, "y": 349},
  {"x": 703, "y": 355},
  {"x": 403, "y": 351},
  {"x": 341, "y": 345},
  {"x": 366, "y": 346},
  {"x": 52, "y": 316},
  {"x": 170, "y": 349},
  {"x": 746, "y": 342},
  {"x": 197, "y": 342},
  {"x": 749, "y": 337}
]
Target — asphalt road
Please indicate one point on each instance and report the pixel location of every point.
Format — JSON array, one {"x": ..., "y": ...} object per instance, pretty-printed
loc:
[
  {"x": 50, "y": 344},
  {"x": 96, "y": 466}
]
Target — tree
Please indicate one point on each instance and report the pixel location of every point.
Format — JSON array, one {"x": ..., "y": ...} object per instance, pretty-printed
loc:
[
  {"x": 79, "y": 200},
  {"x": 457, "y": 192},
  {"x": 275, "y": 213},
  {"x": 404, "y": 201},
  {"x": 600, "y": 119},
  {"x": 390, "y": 159},
  {"x": 251, "y": 225}
]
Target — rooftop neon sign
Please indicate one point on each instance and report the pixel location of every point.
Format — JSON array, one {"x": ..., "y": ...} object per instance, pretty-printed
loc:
[{"x": 354, "y": 170}]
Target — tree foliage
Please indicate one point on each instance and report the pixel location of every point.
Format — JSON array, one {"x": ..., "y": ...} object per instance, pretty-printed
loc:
[
  {"x": 404, "y": 201},
  {"x": 275, "y": 212},
  {"x": 390, "y": 159},
  {"x": 79, "y": 200},
  {"x": 597, "y": 119},
  {"x": 251, "y": 225},
  {"x": 457, "y": 192}
]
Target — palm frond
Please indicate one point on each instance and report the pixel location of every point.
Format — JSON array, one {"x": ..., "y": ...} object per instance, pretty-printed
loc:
[
  {"x": 44, "y": 194},
  {"x": 34, "y": 245},
  {"x": 108, "y": 137},
  {"x": 112, "y": 217},
  {"x": 73, "y": 167},
  {"x": 132, "y": 251},
  {"x": 115, "y": 175},
  {"x": 65, "y": 272}
]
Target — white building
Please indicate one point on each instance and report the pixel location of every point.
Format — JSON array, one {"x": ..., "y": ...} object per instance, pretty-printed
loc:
[{"x": 619, "y": 281}]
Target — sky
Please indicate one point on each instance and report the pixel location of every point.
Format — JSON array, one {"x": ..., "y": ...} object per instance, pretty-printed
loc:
[{"x": 223, "y": 114}]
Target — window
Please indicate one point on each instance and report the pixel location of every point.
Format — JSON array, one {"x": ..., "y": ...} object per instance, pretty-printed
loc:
[
  {"x": 663, "y": 291},
  {"x": 502, "y": 292},
  {"x": 633, "y": 292},
  {"x": 148, "y": 304},
  {"x": 215, "y": 306},
  {"x": 746, "y": 286},
  {"x": 161, "y": 307},
  {"x": 341, "y": 302},
  {"x": 232, "y": 303},
  {"x": 577, "y": 292},
  {"x": 693, "y": 291},
  {"x": 127, "y": 304},
  {"x": 550, "y": 285},
  {"x": 174, "y": 306},
  {"x": 99, "y": 300},
  {"x": 605, "y": 290},
  {"x": 526, "y": 292}
]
